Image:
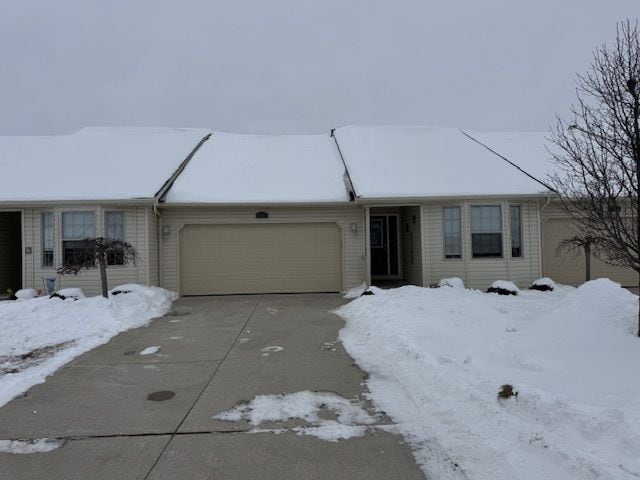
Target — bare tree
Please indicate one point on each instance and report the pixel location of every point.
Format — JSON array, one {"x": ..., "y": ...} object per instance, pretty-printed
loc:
[
  {"x": 581, "y": 243},
  {"x": 98, "y": 252},
  {"x": 598, "y": 152}
]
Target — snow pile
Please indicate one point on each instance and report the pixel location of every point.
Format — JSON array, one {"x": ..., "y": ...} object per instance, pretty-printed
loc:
[
  {"x": 453, "y": 282},
  {"x": 42, "y": 334},
  {"x": 355, "y": 292},
  {"x": 503, "y": 287},
  {"x": 351, "y": 419},
  {"x": 30, "y": 446},
  {"x": 544, "y": 284},
  {"x": 71, "y": 293},
  {"x": 26, "y": 294},
  {"x": 437, "y": 359}
]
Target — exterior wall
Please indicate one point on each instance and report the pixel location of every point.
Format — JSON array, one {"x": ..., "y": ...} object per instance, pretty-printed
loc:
[
  {"x": 411, "y": 244},
  {"x": 136, "y": 231},
  {"x": 10, "y": 249},
  {"x": 353, "y": 247},
  {"x": 481, "y": 272},
  {"x": 153, "y": 241},
  {"x": 569, "y": 267}
]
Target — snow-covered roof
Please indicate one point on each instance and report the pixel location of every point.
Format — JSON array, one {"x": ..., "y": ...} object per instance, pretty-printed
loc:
[
  {"x": 421, "y": 162},
  {"x": 248, "y": 169},
  {"x": 529, "y": 150},
  {"x": 94, "y": 163}
]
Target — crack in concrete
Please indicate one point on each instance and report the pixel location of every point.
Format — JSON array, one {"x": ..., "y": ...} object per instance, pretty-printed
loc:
[{"x": 213, "y": 374}]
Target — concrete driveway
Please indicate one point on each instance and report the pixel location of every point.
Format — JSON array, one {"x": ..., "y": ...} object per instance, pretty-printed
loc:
[{"x": 211, "y": 359}]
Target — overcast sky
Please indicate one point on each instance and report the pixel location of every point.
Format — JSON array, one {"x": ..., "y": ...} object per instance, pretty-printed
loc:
[{"x": 273, "y": 66}]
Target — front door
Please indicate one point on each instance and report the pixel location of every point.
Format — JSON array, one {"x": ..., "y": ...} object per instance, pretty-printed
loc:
[{"x": 384, "y": 245}]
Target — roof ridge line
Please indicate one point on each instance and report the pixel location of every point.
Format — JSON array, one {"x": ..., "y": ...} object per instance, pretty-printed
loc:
[{"x": 508, "y": 161}]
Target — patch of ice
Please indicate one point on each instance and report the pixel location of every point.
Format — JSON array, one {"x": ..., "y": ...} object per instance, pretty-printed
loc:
[
  {"x": 151, "y": 350},
  {"x": 176, "y": 338},
  {"x": 453, "y": 282},
  {"x": 38, "y": 445},
  {"x": 351, "y": 419}
]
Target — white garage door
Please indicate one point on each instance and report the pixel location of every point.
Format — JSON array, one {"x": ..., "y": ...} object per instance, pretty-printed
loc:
[
  {"x": 569, "y": 268},
  {"x": 260, "y": 258}
]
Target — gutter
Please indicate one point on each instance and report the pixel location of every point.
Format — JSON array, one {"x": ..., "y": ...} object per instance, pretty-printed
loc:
[
  {"x": 509, "y": 162},
  {"x": 167, "y": 185},
  {"x": 353, "y": 195}
]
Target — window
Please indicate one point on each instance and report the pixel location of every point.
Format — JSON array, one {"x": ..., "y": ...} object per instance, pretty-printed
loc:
[
  {"x": 76, "y": 226},
  {"x": 47, "y": 239},
  {"x": 377, "y": 234},
  {"x": 114, "y": 230},
  {"x": 486, "y": 231},
  {"x": 516, "y": 231},
  {"x": 452, "y": 232}
]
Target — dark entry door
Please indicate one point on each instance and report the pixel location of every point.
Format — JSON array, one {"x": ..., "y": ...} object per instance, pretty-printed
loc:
[{"x": 384, "y": 245}]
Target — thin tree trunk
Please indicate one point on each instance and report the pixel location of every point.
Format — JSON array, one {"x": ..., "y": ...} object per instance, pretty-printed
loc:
[
  {"x": 103, "y": 274},
  {"x": 587, "y": 262}
]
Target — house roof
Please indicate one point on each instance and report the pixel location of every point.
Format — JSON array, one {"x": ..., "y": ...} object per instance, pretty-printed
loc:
[
  {"x": 94, "y": 163},
  {"x": 248, "y": 169},
  {"x": 422, "y": 161}
]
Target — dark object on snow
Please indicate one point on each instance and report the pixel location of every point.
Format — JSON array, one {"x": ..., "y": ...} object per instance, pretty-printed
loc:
[
  {"x": 501, "y": 291},
  {"x": 541, "y": 288},
  {"x": 118, "y": 292},
  {"x": 161, "y": 396},
  {"x": 367, "y": 292},
  {"x": 506, "y": 392},
  {"x": 57, "y": 295}
]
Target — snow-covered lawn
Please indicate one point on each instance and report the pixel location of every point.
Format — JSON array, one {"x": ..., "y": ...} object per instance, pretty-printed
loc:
[
  {"x": 438, "y": 357},
  {"x": 40, "y": 335}
]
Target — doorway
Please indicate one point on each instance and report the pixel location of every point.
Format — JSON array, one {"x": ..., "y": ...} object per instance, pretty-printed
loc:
[
  {"x": 10, "y": 252},
  {"x": 384, "y": 242}
]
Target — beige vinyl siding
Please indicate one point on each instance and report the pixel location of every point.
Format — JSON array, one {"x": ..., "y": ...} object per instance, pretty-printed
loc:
[
  {"x": 87, "y": 280},
  {"x": 569, "y": 267},
  {"x": 481, "y": 272},
  {"x": 10, "y": 249},
  {"x": 153, "y": 236},
  {"x": 174, "y": 219},
  {"x": 411, "y": 244}
]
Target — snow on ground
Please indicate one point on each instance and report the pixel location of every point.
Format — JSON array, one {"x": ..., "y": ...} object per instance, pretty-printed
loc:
[
  {"x": 438, "y": 357},
  {"x": 453, "y": 282},
  {"x": 351, "y": 419},
  {"x": 30, "y": 446},
  {"x": 151, "y": 350},
  {"x": 40, "y": 335}
]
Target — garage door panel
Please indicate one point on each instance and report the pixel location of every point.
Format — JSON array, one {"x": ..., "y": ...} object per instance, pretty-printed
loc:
[
  {"x": 260, "y": 258},
  {"x": 569, "y": 267}
]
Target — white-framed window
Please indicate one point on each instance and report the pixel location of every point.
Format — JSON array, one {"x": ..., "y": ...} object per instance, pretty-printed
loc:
[
  {"x": 486, "y": 231},
  {"x": 46, "y": 223},
  {"x": 516, "y": 230},
  {"x": 452, "y": 231},
  {"x": 76, "y": 226},
  {"x": 114, "y": 230}
]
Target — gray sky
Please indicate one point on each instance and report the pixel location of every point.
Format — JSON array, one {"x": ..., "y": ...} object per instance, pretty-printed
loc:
[{"x": 295, "y": 66}]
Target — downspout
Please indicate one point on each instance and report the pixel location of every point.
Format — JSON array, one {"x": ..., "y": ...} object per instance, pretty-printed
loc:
[{"x": 540, "y": 236}]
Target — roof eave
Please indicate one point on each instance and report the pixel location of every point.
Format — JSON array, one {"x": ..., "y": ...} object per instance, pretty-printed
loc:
[{"x": 409, "y": 200}]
